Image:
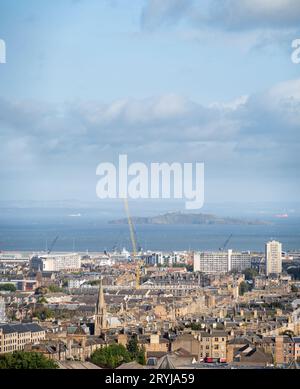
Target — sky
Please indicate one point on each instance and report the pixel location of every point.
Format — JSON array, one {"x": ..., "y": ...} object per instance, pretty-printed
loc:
[{"x": 158, "y": 80}]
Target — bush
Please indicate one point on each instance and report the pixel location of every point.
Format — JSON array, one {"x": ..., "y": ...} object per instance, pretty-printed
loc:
[{"x": 26, "y": 360}]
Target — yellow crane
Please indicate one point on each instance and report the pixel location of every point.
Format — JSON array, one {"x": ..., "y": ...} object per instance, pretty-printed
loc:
[{"x": 133, "y": 242}]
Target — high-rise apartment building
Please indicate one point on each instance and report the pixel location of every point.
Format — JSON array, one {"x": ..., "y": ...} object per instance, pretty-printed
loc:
[
  {"x": 221, "y": 261},
  {"x": 56, "y": 262},
  {"x": 273, "y": 257}
]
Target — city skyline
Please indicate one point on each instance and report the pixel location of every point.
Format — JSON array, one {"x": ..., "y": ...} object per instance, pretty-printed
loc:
[{"x": 149, "y": 203}]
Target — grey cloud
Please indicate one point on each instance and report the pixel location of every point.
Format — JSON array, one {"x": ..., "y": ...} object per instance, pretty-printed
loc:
[
  {"x": 248, "y": 14},
  {"x": 157, "y": 12},
  {"x": 226, "y": 15}
]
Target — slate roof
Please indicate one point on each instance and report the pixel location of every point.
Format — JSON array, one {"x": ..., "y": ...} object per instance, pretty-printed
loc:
[{"x": 20, "y": 328}]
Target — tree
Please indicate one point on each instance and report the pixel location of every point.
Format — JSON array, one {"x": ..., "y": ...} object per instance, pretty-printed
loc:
[
  {"x": 54, "y": 288},
  {"x": 26, "y": 360},
  {"x": 136, "y": 352},
  {"x": 111, "y": 356},
  {"x": 196, "y": 326},
  {"x": 243, "y": 288},
  {"x": 43, "y": 313},
  {"x": 294, "y": 288},
  {"x": 250, "y": 274},
  {"x": 42, "y": 300},
  {"x": 41, "y": 290},
  {"x": 8, "y": 287}
]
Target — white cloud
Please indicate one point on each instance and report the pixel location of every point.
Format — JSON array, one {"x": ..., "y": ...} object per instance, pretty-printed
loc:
[{"x": 167, "y": 127}]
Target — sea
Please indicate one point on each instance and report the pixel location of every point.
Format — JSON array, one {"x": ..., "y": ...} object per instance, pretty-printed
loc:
[{"x": 81, "y": 231}]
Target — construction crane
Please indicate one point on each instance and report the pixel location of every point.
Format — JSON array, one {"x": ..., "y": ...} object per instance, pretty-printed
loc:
[
  {"x": 53, "y": 244},
  {"x": 226, "y": 243},
  {"x": 133, "y": 242}
]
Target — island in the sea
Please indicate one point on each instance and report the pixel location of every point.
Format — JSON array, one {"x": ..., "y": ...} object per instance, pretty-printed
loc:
[{"x": 187, "y": 218}]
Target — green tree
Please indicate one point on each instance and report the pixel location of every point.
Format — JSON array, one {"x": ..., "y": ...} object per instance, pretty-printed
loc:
[
  {"x": 243, "y": 288},
  {"x": 42, "y": 300},
  {"x": 196, "y": 326},
  {"x": 136, "y": 352},
  {"x": 250, "y": 274},
  {"x": 54, "y": 289},
  {"x": 8, "y": 287},
  {"x": 26, "y": 360},
  {"x": 294, "y": 288},
  {"x": 43, "y": 313},
  {"x": 141, "y": 357},
  {"x": 111, "y": 356},
  {"x": 41, "y": 290}
]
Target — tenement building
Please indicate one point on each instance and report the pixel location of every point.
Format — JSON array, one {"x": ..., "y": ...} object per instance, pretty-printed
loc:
[{"x": 14, "y": 337}]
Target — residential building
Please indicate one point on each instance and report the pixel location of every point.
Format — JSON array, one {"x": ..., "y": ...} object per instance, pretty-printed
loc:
[
  {"x": 14, "y": 337},
  {"x": 56, "y": 262},
  {"x": 221, "y": 261},
  {"x": 273, "y": 257}
]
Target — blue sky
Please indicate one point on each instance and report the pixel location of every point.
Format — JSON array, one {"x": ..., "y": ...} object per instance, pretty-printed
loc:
[{"x": 167, "y": 80}]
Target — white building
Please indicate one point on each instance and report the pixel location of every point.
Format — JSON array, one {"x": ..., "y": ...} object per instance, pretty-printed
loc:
[
  {"x": 221, "y": 261},
  {"x": 273, "y": 257},
  {"x": 56, "y": 262},
  {"x": 2, "y": 311},
  {"x": 75, "y": 283}
]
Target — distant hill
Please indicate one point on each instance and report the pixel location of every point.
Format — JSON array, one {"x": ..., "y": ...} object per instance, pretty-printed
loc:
[{"x": 187, "y": 218}]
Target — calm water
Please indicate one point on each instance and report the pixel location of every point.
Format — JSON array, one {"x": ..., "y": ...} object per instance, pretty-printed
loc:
[{"x": 32, "y": 231}]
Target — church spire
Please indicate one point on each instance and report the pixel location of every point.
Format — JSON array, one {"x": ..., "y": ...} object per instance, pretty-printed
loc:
[
  {"x": 100, "y": 316},
  {"x": 100, "y": 300}
]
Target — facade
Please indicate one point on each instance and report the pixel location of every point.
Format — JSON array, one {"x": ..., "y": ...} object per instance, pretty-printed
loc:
[
  {"x": 273, "y": 257},
  {"x": 221, "y": 261},
  {"x": 14, "y": 337},
  {"x": 213, "y": 345},
  {"x": 56, "y": 262},
  {"x": 284, "y": 350},
  {"x": 204, "y": 345},
  {"x": 2, "y": 311},
  {"x": 297, "y": 348}
]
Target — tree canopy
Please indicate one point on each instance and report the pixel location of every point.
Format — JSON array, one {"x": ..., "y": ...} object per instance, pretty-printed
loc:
[
  {"x": 26, "y": 360},
  {"x": 137, "y": 352},
  {"x": 8, "y": 287},
  {"x": 111, "y": 356},
  {"x": 250, "y": 274},
  {"x": 43, "y": 313},
  {"x": 243, "y": 288}
]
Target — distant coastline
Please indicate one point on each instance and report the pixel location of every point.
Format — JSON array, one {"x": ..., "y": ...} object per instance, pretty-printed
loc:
[{"x": 173, "y": 218}]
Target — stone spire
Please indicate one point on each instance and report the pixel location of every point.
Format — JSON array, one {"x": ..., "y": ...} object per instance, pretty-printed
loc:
[
  {"x": 100, "y": 299},
  {"x": 100, "y": 316}
]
